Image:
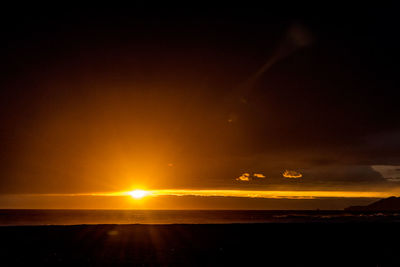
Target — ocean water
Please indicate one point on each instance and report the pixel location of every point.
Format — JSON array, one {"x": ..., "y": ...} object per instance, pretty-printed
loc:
[{"x": 78, "y": 217}]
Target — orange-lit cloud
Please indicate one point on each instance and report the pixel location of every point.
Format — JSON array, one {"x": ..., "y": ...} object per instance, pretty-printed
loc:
[
  {"x": 270, "y": 194},
  {"x": 259, "y": 175},
  {"x": 241, "y": 193},
  {"x": 244, "y": 177},
  {"x": 291, "y": 174}
]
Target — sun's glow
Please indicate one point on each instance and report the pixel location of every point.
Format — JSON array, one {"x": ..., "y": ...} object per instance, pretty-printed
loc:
[{"x": 138, "y": 193}]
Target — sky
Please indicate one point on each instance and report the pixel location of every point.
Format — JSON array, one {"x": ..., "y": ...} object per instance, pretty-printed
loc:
[{"x": 253, "y": 99}]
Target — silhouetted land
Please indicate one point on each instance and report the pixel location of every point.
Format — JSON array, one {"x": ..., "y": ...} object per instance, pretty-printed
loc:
[
  {"x": 285, "y": 244},
  {"x": 386, "y": 204}
]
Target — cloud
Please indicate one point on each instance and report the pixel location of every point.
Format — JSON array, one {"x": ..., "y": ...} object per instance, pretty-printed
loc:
[
  {"x": 244, "y": 177},
  {"x": 389, "y": 172},
  {"x": 291, "y": 174}
]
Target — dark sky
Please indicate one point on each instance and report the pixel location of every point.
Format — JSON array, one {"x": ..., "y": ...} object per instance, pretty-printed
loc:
[{"x": 101, "y": 99}]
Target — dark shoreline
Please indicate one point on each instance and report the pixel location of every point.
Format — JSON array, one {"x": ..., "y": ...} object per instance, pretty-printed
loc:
[{"x": 271, "y": 244}]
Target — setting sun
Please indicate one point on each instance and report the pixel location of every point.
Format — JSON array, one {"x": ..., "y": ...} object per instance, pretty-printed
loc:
[{"x": 138, "y": 193}]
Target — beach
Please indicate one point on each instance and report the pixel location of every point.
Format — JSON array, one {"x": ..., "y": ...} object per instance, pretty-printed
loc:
[{"x": 272, "y": 244}]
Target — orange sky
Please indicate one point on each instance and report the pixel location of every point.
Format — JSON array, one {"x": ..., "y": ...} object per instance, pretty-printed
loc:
[{"x": 203, "y": 110}]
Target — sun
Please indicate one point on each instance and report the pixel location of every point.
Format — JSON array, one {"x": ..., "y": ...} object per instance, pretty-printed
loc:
[{"x": 138, "y": 193}]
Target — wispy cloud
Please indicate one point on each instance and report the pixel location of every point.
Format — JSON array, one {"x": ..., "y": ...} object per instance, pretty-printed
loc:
[
  {"x": 271, "y": 194},
  {"x": 389, "y": 172},
  {"x": 244, "y": 177},
  {"x": 236, "y": 193},
  {"x": 291, "y": 174}
]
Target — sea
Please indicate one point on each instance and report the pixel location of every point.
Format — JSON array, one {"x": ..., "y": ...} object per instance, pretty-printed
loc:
[{"x": 18, "y": 217}]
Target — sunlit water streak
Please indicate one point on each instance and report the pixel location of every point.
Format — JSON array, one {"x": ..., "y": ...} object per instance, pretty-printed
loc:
[{"x": 78, "y": 217}]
